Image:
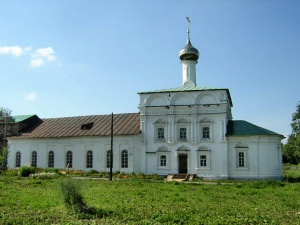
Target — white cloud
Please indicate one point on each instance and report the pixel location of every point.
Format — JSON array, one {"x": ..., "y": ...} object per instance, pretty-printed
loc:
[
  {"x": 13, "y": 50},
  {"x": 41, "y": 56},
  {"x": 36, "y": 62},
  {"x": 38, "y": 58},
  {"x": 31, "y": 96}
]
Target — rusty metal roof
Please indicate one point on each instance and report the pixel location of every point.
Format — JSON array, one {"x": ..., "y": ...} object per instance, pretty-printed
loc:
[{"x": 124, "y": 124}]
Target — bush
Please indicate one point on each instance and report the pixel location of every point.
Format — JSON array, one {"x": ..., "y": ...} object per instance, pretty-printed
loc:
[
  {"x": 25, "y": 171},
  {"x": 292, "y": 176}
]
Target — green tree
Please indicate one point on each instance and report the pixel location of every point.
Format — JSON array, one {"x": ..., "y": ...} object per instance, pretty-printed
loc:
[
  {"x": 4, "y": 127},
  {"x": 291, "y": 150},
  {"x": 3, "y": 158}
]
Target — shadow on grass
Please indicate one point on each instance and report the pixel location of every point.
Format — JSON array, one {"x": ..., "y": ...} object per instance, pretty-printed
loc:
[{"x": 73, "y": 199}]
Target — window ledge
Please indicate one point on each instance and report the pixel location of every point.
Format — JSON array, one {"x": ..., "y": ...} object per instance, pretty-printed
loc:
[
  {"x": 242, "y": 168},
  {"x": 182, "y": 140},
  {"x": 160, "y": 140},
  {"x": 207, "y": 140}
]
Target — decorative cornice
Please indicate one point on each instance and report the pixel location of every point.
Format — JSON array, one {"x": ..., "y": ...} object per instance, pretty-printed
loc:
[{"x": 182, "y": 112}]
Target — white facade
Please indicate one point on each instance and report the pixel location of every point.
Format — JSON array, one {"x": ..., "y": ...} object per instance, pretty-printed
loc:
[
  {"x": 190, "y": 112},
  {"x": 79, "y": 147}
]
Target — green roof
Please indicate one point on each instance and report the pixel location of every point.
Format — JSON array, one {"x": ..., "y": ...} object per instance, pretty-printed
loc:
[
  {"x": 188, "y": 89},
  {"x": 18, "y": 119},
  {"x": 183, "y": 88},
  {"x": 244, "y": 128}
]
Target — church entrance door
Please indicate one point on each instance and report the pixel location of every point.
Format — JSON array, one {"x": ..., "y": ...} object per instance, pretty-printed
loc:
[{"x": 183, "y": 163}]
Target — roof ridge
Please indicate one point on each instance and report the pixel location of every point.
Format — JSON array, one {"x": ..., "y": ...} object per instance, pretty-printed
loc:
[{"x": 64, "y": 117}]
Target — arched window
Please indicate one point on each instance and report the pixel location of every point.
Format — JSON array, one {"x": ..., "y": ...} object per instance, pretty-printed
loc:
[
  {"x": 163, "y": 160},
  {"x": 124, "y": 159},
  {"x": 18, "y": 159},
  {"x": 108, "y": 155},
  {"x": 89, "y": 159},
  {"x": 51, "y": 159},
  {"x": 203, "y": 161},
  {"x": 34, "y": 159},
  {"x": 69, "y": 159}
]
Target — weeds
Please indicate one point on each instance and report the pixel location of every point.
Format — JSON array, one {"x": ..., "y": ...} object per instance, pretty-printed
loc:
[
  {"x": 73, "y": 198},
  {"x": 25, "y": 171}
]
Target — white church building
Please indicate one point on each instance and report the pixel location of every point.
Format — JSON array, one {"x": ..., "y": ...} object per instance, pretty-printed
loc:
[{"x": 183, "y": 130}]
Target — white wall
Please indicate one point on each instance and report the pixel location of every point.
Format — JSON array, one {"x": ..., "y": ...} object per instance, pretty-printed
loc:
[
  {"x": 79, "y": 146},
  {"x": 264, "y": 157}
]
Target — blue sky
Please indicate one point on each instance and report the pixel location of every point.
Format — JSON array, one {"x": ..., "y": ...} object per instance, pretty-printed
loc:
[{"x": 67, "y": 58}]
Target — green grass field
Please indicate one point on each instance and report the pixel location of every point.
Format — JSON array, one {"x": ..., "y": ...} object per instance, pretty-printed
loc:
[{"x": 127, "y": 201}]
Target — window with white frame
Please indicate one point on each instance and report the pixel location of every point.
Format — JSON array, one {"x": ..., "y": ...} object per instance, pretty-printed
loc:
[
  {"x": 205, "y": 133},
  {"x": 241, "y": 157},
  {"x": 89, "y": 159},
  {"x": 33, "y": 159},
  {"x": 18, "y": 159},
  {"x": 163, "y": 160},
  {"x": 206, "y": 129},
  {"x": 160, "y": 127},
  {"x": 163, "y": 157},
  {"x": 161, "y": 133},
  {"x": 69, "y": 159},
  {"x": 182, "y": 134},
  {"x": 203, "y": 154},
  {"x": 183, "y": 130},
  {"x": 51, "y": 159},
  {"x": 108, "y": 156},
  {"x": 203, "y": 160},
  {"x": 124, "y": 159}
]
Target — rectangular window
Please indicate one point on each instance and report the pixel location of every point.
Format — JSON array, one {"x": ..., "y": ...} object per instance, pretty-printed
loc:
[
  {"x": 241, "y": 159},
  {"x": 182, "y": 134},
  {"x": 108, "y": 156},
  {"x": 205, "y": 132},
  {"x": 160, "y": 133},
  {"x": 203, "y": 162},
  {"x": 163, "y": 160}
]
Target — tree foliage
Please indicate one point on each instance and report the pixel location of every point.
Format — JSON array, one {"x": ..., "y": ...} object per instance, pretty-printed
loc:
[
  {"x": 3, "y": 158},
  {"x": 291, "y": 150},
  {"x": 4, "y": 113}
]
